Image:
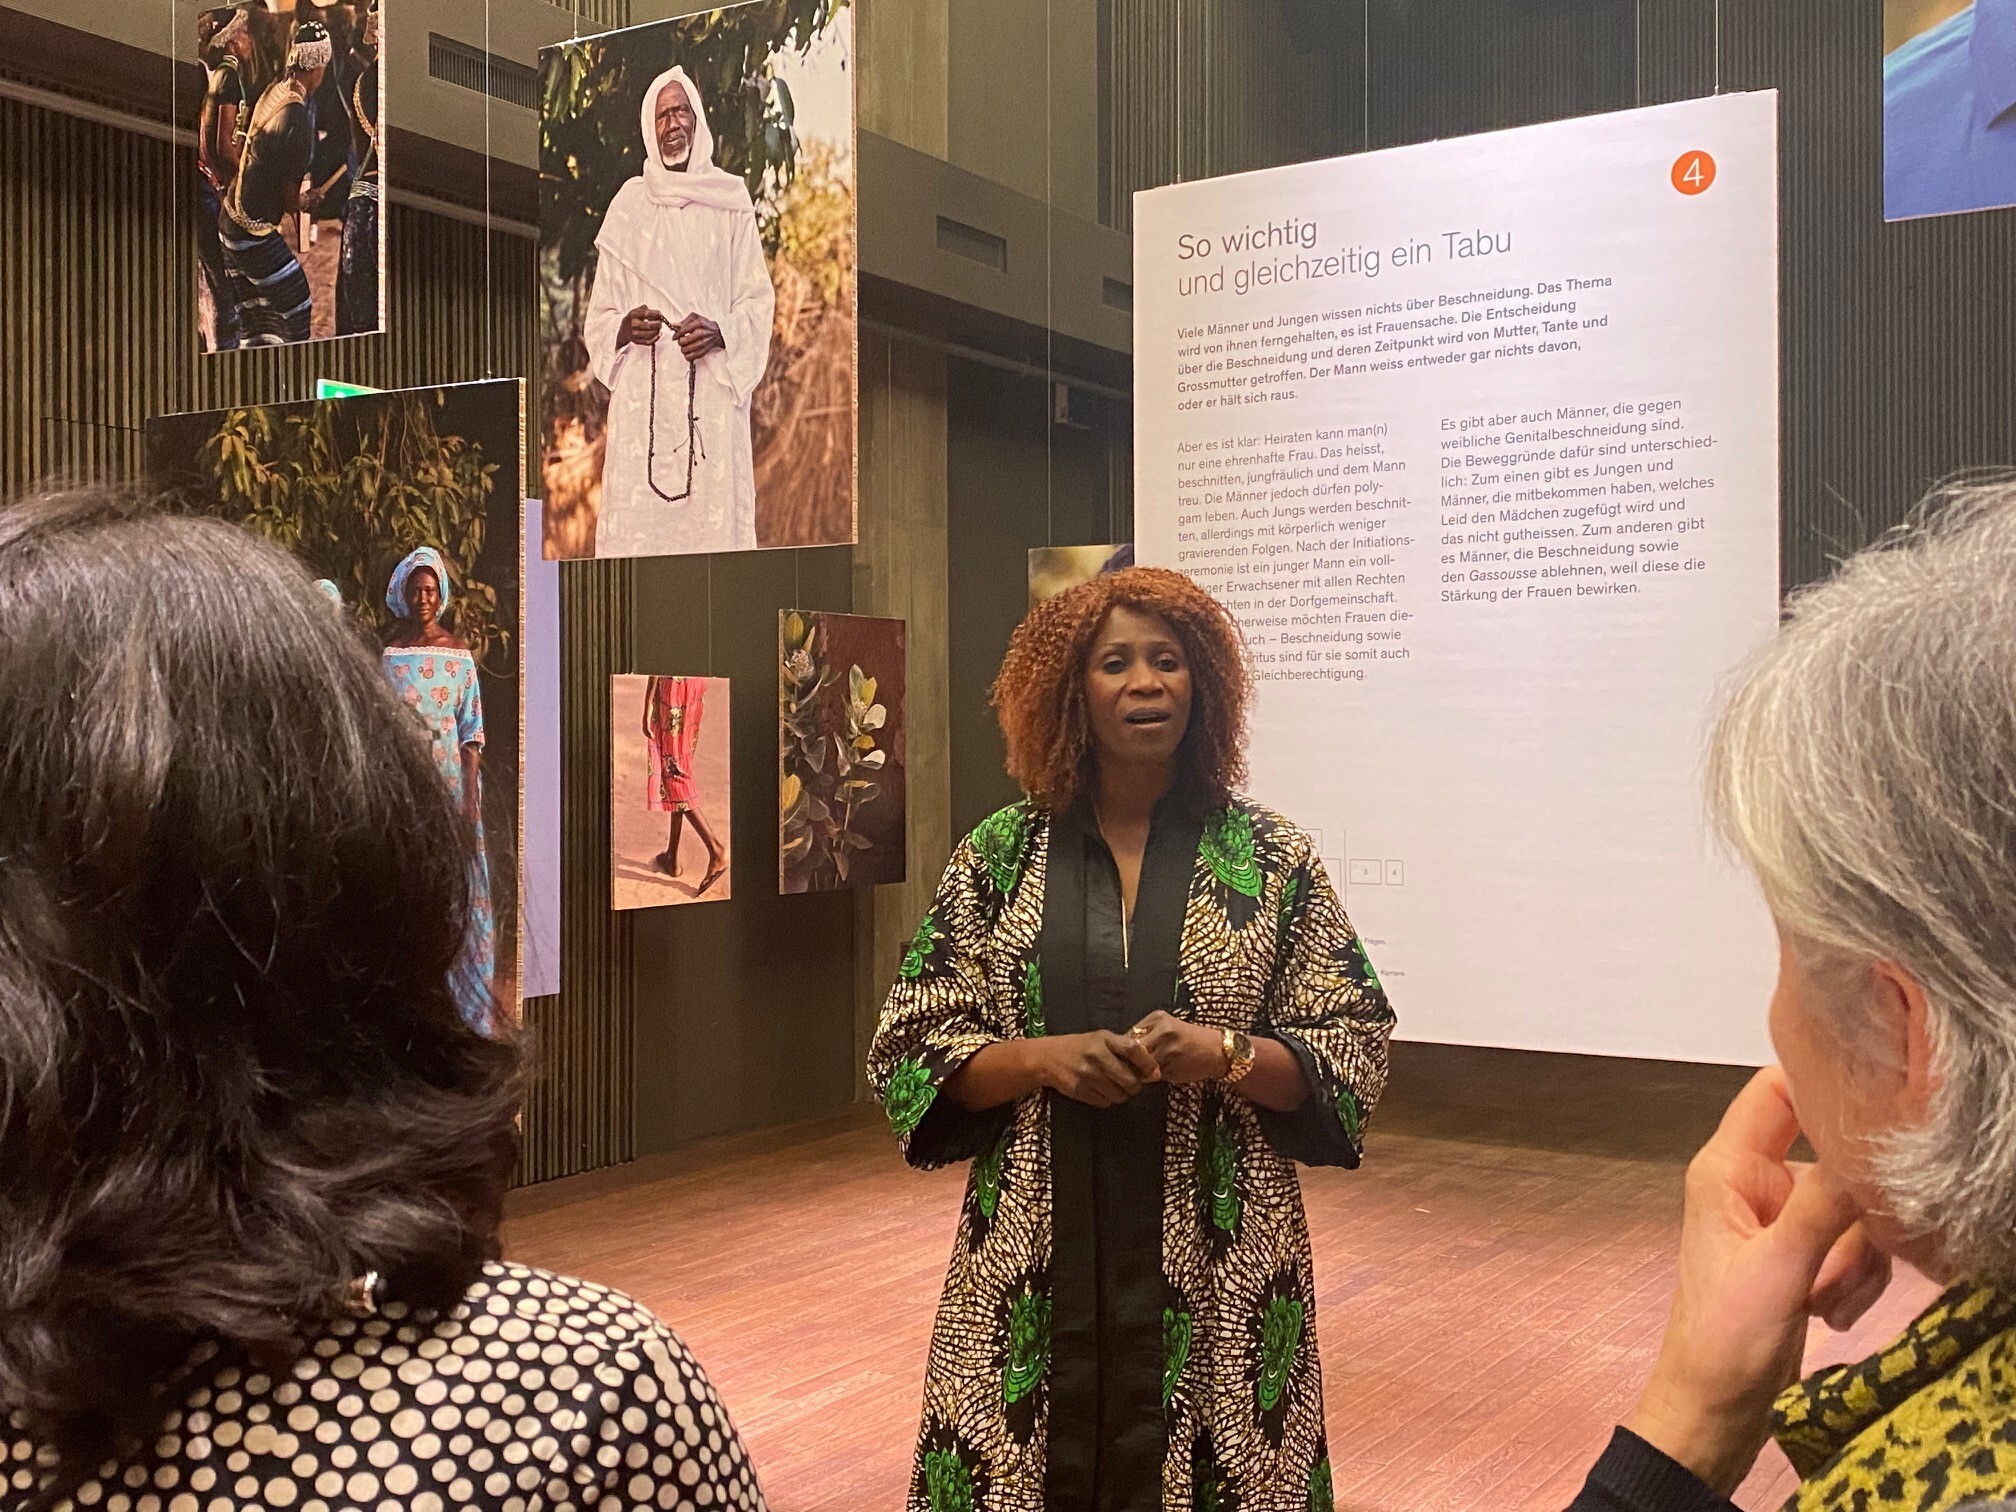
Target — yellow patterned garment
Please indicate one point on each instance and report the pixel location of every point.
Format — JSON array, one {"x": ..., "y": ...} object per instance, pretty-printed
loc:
[{"x": 1929, "y": 1423}]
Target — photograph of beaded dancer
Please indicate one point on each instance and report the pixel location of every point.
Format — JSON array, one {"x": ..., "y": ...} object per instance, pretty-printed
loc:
[
  {"x": 697, "y": 252},
  {"x": 668, "y": 791},
  {"x": 406, "y": 507},
  {"x": 290, "y": 246}
]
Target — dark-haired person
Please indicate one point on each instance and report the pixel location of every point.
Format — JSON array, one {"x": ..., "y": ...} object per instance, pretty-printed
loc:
[
  {"x": 252, "y": 1156},
  {"x": 275, "y": 305},
  {"x": 434, "y": 672},
  {"x": 224, "y": 43},
  {"x": 1134, "y": 1003},
  {"x": 357, "y": 265}
]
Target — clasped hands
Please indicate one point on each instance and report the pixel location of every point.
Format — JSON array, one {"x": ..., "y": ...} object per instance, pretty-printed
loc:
[
  {"x": 1105, "y": 1069},
  {"x": 696, "y": 334}
]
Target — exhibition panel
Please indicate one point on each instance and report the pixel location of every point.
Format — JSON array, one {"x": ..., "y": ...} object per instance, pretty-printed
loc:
[{"x": 1479, "y": 440}]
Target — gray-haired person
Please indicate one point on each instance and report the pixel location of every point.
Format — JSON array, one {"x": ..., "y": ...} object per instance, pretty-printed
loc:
[{"x": 1865, "y": 769}]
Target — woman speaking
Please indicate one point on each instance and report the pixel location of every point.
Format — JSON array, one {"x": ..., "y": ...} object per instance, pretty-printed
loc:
[{"x": 1134, "y": 1001}]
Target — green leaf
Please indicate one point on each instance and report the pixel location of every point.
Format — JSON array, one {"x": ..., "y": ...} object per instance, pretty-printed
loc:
[
  {"x": 1176, "y": 1334},
  {"x": 1280, "y": 1337},
  {"x": 987, "y": 1177},
  {"x": 1028, "y": 1343}
]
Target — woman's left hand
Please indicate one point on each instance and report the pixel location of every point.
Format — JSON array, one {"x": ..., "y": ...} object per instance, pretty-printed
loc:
[{"x": 1186, "y": 1052}]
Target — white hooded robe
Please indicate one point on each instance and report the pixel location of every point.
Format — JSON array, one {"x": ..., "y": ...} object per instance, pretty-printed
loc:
[{"x": 682, "y": 243}]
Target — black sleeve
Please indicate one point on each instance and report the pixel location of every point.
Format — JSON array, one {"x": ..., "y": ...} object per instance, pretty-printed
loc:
[{"x": 1632, "y": 1476}]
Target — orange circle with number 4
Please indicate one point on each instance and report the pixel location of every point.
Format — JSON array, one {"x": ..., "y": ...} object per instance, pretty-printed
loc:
[{"x": 1693, "y": 172}]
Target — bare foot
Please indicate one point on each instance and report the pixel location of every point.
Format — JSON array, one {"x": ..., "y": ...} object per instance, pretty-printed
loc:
[
  {"x": 715, "y": 868},
  {"x": 666, "y": 863}
]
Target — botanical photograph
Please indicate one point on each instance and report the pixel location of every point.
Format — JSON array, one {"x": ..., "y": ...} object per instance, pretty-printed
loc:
[
  {"x": 697, "y": 256},
  {"x": 290, "y": 244},
  {"x": 840, "y": 798},
  {"x": 668, "y": 791},
  {"x": 406, "y": 508}
]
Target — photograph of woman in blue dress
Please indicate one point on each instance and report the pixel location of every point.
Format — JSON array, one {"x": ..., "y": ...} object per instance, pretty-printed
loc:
[
  {"x": 407, "y": 507},
  {"x": 434, "y": 673},
  {"x": 1949, "y": 107}
]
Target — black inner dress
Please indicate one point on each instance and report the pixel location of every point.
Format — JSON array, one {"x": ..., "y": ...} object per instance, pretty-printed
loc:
[{"x": 1107, "y": 1438}]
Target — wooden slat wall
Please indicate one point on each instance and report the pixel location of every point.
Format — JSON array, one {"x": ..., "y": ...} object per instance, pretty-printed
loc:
[
  {"x": 1899, "y": 341},
  {"x": 900, "y": 571},
  {"x": 1197, "y": 88},
  {"x": 580, "y": 1115},
  {"x": 97, "y": 333},
  {"x": 591, "y": 16}
]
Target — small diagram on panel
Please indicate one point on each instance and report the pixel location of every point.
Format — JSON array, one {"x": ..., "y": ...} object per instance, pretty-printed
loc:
[
  {"x": 1366, "y": 873},
  {"x": 1396, "y": 873}
]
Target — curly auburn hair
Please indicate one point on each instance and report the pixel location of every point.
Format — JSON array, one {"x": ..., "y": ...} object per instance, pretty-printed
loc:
[{"x": 1040, "y": 692}]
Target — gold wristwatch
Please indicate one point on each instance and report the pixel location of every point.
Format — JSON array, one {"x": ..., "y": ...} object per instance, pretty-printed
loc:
[{"x": 1238, "y": 1056}]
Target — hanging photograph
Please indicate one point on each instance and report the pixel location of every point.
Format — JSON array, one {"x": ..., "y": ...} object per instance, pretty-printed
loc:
[
  {"x": 697, "y": 327},
  {"x": 290, "y": 245},
  {"x": 668, "y": 791},
  {"x": 1949, "y": 107},
  {"x": 405, "y": 506},
  {"x": 1052, "y": 569},
  {"x": 840, "y": 794}
]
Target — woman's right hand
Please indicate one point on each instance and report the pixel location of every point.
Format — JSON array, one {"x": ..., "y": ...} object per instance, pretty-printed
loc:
[
  {"x": 1100, "y": 1069},
  {"x": 640, "y": 327}
]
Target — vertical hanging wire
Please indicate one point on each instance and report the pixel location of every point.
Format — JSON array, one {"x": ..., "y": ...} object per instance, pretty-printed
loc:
[
  {"x": 1365, "y": 76},
  {"x": 1049, "y": 295},
  {"x": 1718, "y": 46},
  {"x": 1210, "y": 87},
  {"x": 1638, "y": 46},
  {"x": 176, "y": 262},
  {"x": 489, "y": 303}
]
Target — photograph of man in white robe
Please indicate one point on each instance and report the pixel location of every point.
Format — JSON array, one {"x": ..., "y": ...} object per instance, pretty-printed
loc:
[{"x": 680, "y": 311}]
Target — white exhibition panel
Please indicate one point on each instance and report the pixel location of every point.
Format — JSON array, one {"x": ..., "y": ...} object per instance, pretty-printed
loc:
[{"x": 1479, "y": 441}]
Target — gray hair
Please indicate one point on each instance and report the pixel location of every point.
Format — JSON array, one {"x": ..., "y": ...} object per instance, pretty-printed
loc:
[{"x": 1865, "y": 768}]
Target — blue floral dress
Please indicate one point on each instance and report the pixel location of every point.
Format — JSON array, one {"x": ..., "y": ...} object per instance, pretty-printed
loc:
[{"x": 439, "y": 684}]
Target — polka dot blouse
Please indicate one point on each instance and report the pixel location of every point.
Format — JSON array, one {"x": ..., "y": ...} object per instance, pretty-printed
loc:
[{"x": 537, "y": 1394}]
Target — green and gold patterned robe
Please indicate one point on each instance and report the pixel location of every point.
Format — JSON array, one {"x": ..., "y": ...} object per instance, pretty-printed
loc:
[{"x": 1192, "y": 1383}]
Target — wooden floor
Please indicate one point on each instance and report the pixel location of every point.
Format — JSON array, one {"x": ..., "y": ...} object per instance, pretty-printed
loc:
[{"x": 1491, "y": 1286}]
